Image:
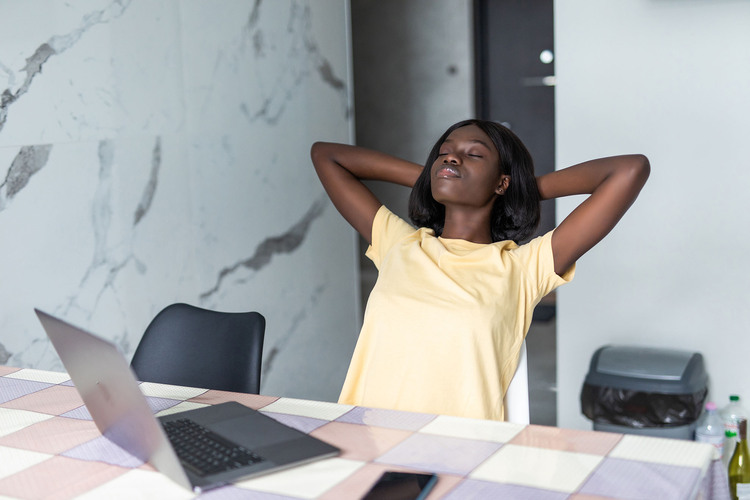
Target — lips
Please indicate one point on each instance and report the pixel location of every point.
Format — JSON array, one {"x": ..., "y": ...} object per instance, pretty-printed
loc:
[{"x": 447, "y": 172}]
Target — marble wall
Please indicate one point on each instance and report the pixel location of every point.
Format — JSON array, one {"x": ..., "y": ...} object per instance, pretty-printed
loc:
[{"x": 158, "y": 151}]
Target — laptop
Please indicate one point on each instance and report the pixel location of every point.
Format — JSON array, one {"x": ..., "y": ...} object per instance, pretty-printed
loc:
[{"x": 255, "y": 443}]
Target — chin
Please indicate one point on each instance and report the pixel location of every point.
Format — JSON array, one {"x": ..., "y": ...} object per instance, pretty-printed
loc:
[{"x": 443, "y": 196}]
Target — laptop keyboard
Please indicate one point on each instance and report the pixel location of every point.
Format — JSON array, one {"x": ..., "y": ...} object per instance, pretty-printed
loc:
[{"x": 204, "y": 452}]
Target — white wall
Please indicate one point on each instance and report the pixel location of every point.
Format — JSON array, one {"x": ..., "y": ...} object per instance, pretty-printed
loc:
[
  {"x": 670, "y": 79},
  {"x": 158, "y": 151}
]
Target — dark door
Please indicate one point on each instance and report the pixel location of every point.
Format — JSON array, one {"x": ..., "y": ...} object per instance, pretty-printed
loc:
[
  {"x": 515, "y": 77},
  {"x": 515, "y": 85}
]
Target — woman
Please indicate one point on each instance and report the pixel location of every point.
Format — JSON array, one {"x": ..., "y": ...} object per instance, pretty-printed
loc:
[{"x": 454, "y": 298}]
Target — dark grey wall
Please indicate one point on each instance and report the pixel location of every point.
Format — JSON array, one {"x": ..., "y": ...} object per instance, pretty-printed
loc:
[{"x": 413, "y": 78}]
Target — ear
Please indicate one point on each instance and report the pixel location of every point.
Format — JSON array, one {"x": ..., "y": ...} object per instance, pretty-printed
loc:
[{"x": 502, "y": 186}]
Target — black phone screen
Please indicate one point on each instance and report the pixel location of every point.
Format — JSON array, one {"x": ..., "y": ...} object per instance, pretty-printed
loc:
[{"x": 402, "y": 486}]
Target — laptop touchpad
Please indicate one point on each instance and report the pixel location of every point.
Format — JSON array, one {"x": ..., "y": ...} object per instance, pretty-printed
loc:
[{"x": 255, "y": 431}]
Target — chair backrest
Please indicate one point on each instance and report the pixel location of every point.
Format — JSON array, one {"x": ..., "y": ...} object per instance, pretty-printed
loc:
[
  {"x": 190, "y": 346},
  {"x": 517, "y": 396}
]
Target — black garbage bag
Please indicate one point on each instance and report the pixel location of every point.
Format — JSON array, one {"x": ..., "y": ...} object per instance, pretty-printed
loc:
[{"x": 639, "y": 409}]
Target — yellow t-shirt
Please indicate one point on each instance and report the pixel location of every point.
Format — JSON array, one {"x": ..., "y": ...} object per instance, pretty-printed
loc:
[{"x": 445, "y": 321}]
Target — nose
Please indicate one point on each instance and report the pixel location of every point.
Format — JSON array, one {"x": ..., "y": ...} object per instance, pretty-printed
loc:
[{"x": 450, "y": 158}]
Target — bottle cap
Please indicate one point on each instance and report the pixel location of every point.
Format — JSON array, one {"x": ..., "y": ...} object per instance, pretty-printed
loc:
[
  {"x": 710, "y": 406},
  {"x": 734, "y": 397}
]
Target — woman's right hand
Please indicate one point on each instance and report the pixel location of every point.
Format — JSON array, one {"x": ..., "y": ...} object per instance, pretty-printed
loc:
[{"x": 341, "y": 169}]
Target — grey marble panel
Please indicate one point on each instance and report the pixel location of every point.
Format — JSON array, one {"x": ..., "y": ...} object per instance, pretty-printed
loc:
[{"x": 158, "y": 151}]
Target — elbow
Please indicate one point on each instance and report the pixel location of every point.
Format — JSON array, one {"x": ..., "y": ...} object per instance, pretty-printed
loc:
[
  {"x": 639, "y": 168},
  {"x": 643, "y": 165},
  {"x": 320, "y": 152},
  {"x": 315, "y": 150}
]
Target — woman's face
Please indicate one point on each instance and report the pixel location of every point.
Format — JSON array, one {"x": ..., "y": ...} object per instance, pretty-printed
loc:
[{"x": 467, "y": 170}]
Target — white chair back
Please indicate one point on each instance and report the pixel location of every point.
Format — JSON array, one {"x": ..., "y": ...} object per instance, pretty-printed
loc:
[{"x": 517, "y": 396}]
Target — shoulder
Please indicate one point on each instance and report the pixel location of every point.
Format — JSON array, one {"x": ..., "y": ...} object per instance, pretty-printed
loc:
[
  {"x": 532, "y": 253},
  {"x": 388, "y": 229},
  {"x": 388, "y": 223},
  {"x": 535, "y": 245},
  {"x": 537, "y": 258}
]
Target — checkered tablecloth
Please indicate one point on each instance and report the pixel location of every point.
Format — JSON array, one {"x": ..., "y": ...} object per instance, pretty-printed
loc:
[{"x": 50, "y": 448}]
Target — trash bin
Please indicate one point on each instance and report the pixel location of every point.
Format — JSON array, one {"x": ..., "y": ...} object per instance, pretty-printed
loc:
[{"x": 642, "y": 390}]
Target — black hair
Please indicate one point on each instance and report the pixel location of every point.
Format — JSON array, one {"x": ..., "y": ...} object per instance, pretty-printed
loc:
[{"x": 515, "y": 215}]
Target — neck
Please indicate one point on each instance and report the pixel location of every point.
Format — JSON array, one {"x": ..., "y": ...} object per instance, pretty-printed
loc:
[{"x": 467, "y": 225}]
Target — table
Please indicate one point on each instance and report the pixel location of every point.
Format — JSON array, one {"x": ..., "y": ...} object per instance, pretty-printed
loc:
[{"x": 50, "y": 448}]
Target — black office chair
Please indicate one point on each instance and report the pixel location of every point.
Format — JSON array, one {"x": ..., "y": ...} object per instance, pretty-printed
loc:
[{"x": 194, "y": 347}]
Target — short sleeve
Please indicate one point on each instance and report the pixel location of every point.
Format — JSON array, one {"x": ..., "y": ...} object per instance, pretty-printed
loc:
[
  {"x": 539, "y": 262},
  {"x": 387, "y": 229}
]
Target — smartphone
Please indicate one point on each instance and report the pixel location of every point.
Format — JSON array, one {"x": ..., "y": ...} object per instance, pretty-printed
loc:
[{"x": 402, "y": 486}]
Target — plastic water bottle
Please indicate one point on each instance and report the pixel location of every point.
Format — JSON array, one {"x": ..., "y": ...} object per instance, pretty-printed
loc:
[
  {"x": 731, "y": 414},
  {"x": 710, "y": 428}
]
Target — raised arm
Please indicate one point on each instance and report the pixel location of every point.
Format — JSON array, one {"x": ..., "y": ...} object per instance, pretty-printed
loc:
[
  {"x": 613, "y": 183},
  {"x": 341, "y": 169}
]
